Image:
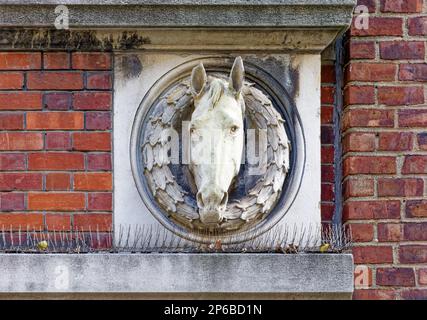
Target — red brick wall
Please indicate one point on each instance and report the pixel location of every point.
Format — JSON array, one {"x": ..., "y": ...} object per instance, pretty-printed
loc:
[
  {"x": 384, "y": 141},
  {"x": 328, "y": 91},
  {"x": 55, "y": 140}
]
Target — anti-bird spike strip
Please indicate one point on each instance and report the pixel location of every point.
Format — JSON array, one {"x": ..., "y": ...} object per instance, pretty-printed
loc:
[{"x": 145, "y": 239}]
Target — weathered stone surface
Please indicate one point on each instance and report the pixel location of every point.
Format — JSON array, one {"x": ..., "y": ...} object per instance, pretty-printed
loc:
[
  {"x": 181, "y": 13},
  {"x": 313, "y": 275}
]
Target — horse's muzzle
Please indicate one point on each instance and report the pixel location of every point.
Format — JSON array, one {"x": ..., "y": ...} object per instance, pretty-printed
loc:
[{"x": 212, "y": 207}]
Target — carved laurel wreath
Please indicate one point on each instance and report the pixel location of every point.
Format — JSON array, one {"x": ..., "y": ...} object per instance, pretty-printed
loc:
[{"x": 176, "y": 202}]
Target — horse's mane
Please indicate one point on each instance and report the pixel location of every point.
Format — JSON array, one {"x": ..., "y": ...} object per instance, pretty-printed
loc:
[{"x": 215, "y": 91}]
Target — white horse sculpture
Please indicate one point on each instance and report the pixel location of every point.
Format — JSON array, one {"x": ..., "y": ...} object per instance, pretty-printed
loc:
[{"x": 216, "y": 138}]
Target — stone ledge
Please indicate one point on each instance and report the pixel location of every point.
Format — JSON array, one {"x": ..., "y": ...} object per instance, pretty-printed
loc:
[
  {"x": 313, "y": 276},
  {"x": 180, "y": 13}
]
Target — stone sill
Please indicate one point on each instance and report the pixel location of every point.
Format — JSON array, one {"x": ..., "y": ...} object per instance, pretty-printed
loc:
[
  {"x": 334, "y": 14},
  {"x": 248, "y": 276}
]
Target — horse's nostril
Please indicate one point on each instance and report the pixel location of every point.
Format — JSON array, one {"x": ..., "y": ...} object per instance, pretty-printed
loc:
[{"x": 224, "y": 199}]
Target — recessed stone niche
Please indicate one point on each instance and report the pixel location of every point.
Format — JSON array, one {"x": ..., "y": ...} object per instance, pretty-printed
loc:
[{"x": 297, "y": 79}]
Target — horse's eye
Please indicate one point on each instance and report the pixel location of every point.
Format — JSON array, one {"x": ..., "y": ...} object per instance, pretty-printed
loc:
[
  {"x": 234, "y": 129},
  {"x": 192, "y": 130}
]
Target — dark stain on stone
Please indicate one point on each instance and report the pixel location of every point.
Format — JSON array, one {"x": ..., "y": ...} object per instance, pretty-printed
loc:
[
  {"x": 7, "y": 37},
  {"x": 294, "y": 79},
  {"x": 131, "y": 66},
  {"x": 24, "y": 39},
  {"x": 280, "y": 70},
  {"x": 41, "y": 39},
  {"x": 69, "y": 40},
  {"x": 131, "y": 41},
  {"x": 85, "y": 40}
]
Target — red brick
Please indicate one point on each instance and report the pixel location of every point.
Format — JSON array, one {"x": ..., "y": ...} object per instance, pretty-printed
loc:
[
  {"x": 374, "y": 294},
  {"x": 368, "y": 118},
  {"x": 422, "y": 276},
  {"x": 92, "y": 101},
  {"x": 361, "y": 232},
  {"x": 92, "y": 222},
  {"x": 380, "y": 26},
  {"x": 327, "y": 192},
  {"x": 55, "y": 120},
  {"x": 416, "y": 208},
  {"x": 20, "y": 221},
  {"x": 413, "y": 118},
  {"x": 413, "y": 72},
  {"x": 422, "y": 141},
  {"x": 20, "y": 60},
  {"x": 402, "y": 50},
  {"x": 57, "y": 181},
  {"x": 100, "y": 201},
  {"x": 415, "y": 294},
  {"x": 327, "y": 172},
  {"x": 11, "y": 201},
  {"x": 56, "y": 60},
  {"x": 358, "y": 187},
  {"x": 404, "y": 6},
  {"x": 21, "y": 141},
  {"x": 327, "y": 135},
  {"x": 390, "y": 232},
  {"x": 58, "y": 141},
  {"x": 328, "y": 74},
  {"x": 20, "y": 101},
  {"x": 92, "y": 141},
  {"x": 361, "y": 50},
  {"x": 66, "y": 201},
  {"x": 55, "y": 80},
  {"x": 20, "y": 181},
  {"x": 93, "y": 181},
  {"x": 11, "y": 121},
  {"x": 371, "y": 72},
  {"x": 366, "y": 210},
  {"x": 359, "y": 141},
  {"x": 98, "y": 80},
  {"x": 327, "y": 95},
  {"x": 327, "y": 211},
  {"x": 56, "y": 161},
  {"x": 58, "y": 222},
  {"x": 415, "y": 231},
  {"x": 395, "y": 96},
  {"x": 417, "y": 26},
  {"x": 327, "y": 114},
  {"x": 58, "y": 100},
  {"x": 101, "y": 161},
  {"x": 415, "y": 164},
  {"x": 369, "y": 165},
  {"x": 91, "y": 60},
  {"x": 413, "y": 254},
  {"x": 98, "y": 120},
  {"x": 373, "y": 254},
  {"x": 395, "y": 187},
  {"x": 396, "y": 277},
  {"x": 12, "y": 161},
  {"x": 359, "y": 95},
  {"x": 395, "y": 141},
  {"x": 370, "y": 4},
  {"x": 327, "y": 154},
  {"x": 11, "y": 80}
]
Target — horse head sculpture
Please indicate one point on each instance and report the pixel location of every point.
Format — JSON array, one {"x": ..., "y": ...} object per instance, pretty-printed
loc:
[{"x": 216, "y": 138}]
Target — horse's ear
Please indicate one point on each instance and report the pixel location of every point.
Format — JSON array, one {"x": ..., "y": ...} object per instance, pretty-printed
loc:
[
  {"x": 198, "y": 79},
  {"x": 237, "y": 74}
]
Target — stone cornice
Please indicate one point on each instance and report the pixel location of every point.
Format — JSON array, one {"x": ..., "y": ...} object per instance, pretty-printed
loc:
[{"x": 334, "y": 14}]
